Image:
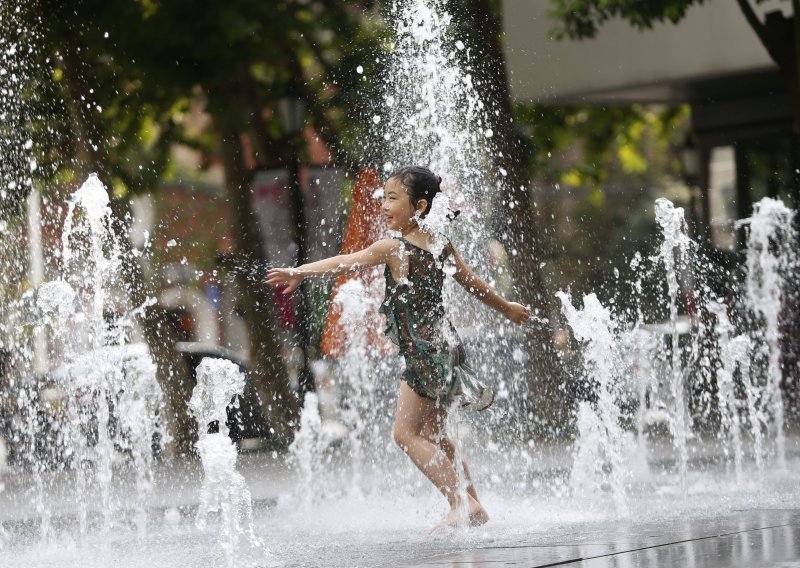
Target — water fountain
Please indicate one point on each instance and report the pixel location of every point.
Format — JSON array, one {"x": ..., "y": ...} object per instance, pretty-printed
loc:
[
  {"x": 358, "y": 303},
  {"x": 771, "y": 259},
  {"x": 375, "y": 506},
  {"x": 110, "y": 394},
  {"x": 734, "y": 353},
  {"x": 600, "y": 449},
  {"x": 224, "y": 489},
  {"x": 674, "y": 254}
]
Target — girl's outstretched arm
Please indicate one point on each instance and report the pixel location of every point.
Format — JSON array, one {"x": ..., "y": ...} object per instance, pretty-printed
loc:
[
  {"x": 377, "y": 253},
  {"x": 479, "y": 288}
]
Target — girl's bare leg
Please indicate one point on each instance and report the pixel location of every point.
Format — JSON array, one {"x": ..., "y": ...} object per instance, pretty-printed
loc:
[
  {"x": 449, "y": 449},
  {"x": 435, "y": 432},
  {"x": 413, "y": 414}
]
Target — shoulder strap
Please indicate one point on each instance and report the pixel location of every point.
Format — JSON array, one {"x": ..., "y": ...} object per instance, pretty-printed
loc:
[{"x": 447, "y": 250}]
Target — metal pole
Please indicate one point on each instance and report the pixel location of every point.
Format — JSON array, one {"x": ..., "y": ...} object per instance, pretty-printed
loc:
[
  {"x": 297, "y": 202},
  {"x": 36, "y": 275}
]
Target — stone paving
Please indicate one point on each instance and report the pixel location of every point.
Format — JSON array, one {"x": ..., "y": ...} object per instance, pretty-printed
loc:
[{"x": 749, "y": 539}]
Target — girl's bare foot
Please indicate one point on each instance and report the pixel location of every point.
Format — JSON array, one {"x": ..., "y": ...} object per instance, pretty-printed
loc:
[{"x": 477, "y": 516}]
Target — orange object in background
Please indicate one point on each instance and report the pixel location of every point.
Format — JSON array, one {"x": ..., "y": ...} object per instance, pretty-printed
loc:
[{"x": 363, "y": 229}]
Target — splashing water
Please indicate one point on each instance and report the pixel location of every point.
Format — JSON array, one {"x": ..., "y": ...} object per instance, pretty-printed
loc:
[
  {"x": 224, "y": 489},
  {"x": 734, "y": 354},
  {"x": 218, "y": 382},
  {"x": 771, "y": 256},
  {"x": 746, "y": 388},
  {"x": 599, "y": 454},
  {"x": 359, "y": 303},
  {"x": 432, "y": 115},
  {"x": 674, "y": 254},
  {"x": 307, "y": 452},
  {"x": 56, "y": 299},
  {"x": 17, "y": 68},
  {"x": 17, "y": 166},
  {"x": 110, "y": 393}
]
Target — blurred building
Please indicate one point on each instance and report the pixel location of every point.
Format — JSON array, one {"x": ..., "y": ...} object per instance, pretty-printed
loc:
[
  {"x": 187, "y": 223},
  {"x": 743, "y": 143}
]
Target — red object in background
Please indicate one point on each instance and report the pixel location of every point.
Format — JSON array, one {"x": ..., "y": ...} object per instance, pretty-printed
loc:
[
  {"x": 363, "y": 229},
  {"x": 284, "y": 307},
  {"x": 690, "y": 303}
]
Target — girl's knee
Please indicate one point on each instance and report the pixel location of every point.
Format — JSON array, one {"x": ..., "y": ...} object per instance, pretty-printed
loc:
[
  {"x": 447, "y": 447},
  {"x": 402, "y": 437}
]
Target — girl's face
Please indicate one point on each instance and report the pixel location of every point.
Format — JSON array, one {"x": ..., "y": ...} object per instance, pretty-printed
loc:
[{"x": 397, "y": 207}]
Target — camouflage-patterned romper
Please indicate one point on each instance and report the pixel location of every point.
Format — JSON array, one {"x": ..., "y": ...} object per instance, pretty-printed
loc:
[{"x": 436, "y": 366}]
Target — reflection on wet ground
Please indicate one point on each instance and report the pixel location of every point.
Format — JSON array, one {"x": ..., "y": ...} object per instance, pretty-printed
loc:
[{"x": 765, "y": 538}]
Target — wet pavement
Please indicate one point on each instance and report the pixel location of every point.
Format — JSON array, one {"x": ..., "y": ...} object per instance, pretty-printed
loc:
[
  {"x": 383, "y": 520},
  {"x": 749, "y": 539}
]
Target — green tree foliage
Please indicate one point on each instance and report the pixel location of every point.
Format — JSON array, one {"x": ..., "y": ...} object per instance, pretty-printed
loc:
[
  {"x": 577, "y": 151},
  {"x": 583, "y": 18},
  {"x": 608, "y": 137},
  {"x": 139, "y": 66}
]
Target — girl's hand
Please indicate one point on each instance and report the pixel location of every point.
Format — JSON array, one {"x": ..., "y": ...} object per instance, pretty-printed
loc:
[
  {"x": 289, "y": 278},
  {"x": 517, "y": 313}
]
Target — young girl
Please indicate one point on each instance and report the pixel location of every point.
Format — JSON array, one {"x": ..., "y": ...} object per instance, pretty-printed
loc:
[{"x": 436, "y": 373}]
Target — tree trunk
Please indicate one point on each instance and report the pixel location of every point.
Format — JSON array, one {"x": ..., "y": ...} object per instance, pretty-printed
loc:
[
  {"x": 160, "y": 334},
  {"x": 268, "y": 371},
  {"x": 523, "y": 239},
  {"x": 172, "y": 371}
]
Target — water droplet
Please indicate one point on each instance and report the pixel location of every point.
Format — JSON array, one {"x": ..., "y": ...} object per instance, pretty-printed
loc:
[
  {"x": 488, "y": 133},
  {"x": 360, "y": 70},
  {"x": 460, "y": 45},
  {"x": 376, "y": 119}
]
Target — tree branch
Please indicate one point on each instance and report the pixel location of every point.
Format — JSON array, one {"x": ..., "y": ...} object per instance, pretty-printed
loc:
[{"x": 754, "y": 22}]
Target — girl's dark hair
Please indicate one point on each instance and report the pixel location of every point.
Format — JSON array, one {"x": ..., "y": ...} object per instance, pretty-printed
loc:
[{"x": 420, "y": 183}]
